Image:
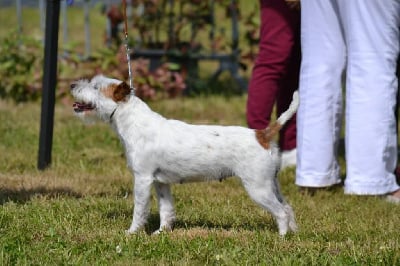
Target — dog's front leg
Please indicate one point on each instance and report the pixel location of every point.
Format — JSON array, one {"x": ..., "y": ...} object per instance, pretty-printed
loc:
[
  {"x": 165, "y": 206},
  {"x": 142, "y": 193}
]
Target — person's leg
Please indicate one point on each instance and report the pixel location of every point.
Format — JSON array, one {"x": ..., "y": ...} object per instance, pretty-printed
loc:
[
  {"x": 276, "y": 41},
  {"x": 290, "y": 82},
  {"x": 319, "y": 114},
  {"x": 372, "y": 37}
]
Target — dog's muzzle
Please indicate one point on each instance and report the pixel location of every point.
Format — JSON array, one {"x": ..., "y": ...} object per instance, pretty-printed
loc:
[{"x": 81, "y": 107}]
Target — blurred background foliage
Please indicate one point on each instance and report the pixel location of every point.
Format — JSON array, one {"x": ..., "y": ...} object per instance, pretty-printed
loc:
[{"x": 180, "y": 27}]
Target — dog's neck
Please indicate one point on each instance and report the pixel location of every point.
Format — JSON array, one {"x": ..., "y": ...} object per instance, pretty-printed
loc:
[
  {"x": 131, "y": 95},
  {"x": 133, "y": 113},
  {"x": 134, "y": 102},
  {"x": 112, "y": 114}
]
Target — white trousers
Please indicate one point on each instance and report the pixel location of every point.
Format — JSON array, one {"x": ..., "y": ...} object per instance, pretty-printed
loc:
[{"x": 361, "y": 37}]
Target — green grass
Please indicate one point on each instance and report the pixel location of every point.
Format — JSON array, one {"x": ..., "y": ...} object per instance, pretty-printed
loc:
[{"x": 76, "y": 211}]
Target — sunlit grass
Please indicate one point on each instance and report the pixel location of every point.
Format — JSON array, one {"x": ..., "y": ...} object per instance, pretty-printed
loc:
[{"x": 76, "y": 211}]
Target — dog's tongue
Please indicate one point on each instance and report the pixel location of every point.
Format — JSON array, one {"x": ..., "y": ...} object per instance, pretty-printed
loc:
[{"x": 80, "y": 107}]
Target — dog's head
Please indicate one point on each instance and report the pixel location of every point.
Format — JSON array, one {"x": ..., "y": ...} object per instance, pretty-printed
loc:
[{"x": 101, "y": 95}]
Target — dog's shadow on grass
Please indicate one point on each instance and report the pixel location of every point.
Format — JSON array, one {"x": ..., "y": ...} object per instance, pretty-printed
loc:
[
  {"x": 153, "y": 223},
  {"x": 185, "y": 224},
  {"x": 23, "y": 195}
]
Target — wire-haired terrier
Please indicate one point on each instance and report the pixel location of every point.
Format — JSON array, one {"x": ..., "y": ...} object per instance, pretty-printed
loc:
[{"x": 161, "y": 152}]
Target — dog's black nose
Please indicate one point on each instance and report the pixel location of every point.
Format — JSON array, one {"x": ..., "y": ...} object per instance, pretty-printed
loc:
[{"x": 72, "y": 86}]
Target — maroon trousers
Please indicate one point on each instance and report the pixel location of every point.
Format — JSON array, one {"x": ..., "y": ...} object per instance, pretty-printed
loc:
[{"x": 275, "y": 74}]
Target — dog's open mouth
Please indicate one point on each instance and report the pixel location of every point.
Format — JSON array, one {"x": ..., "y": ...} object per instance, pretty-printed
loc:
[{"x": 81, "y": 107}]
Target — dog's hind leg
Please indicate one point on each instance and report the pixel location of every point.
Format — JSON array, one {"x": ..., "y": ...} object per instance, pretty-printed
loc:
[
  {"x": 267, "y": 197},
  {"x": 165, "y": 206},
  {"x": 141, "y": 210},
  {"x": 289, "y": 210}
]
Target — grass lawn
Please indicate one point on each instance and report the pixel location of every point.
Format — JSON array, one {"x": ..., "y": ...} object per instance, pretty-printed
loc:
[{"x": 76, "y": 211}]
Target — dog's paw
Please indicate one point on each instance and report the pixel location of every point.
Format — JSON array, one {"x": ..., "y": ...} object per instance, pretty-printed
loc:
[
  {"x": 163, "y": 229},
  {"x": 131, "y": 231},
  {"x": 158, "y": 232},
  {"x": 282, "y": 233},
  {"x": 293, "y": 226}
]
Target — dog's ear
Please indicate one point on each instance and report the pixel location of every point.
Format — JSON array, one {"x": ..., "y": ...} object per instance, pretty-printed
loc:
[{"x": 121, "y": 91}]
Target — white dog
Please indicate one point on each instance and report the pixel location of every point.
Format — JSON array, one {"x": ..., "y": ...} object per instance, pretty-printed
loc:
[{"x": 161, "y": 152}]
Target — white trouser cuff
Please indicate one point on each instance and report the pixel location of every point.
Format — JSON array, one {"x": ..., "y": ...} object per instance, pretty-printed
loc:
[
  {"x": 365, "y": 188},
  {"x": 318, "y": 180}
]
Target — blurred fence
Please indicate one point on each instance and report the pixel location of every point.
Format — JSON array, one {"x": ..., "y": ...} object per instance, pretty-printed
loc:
[
  {"x": 185, "y": 53},
  {"x": 41, "y": 5}
]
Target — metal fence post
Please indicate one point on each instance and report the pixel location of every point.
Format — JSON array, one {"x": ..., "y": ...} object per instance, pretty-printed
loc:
[
  {"x": 87, "y": 28},
  {"x": 49, "y": 83},
  {"x": 19, "y": 15},
  {"x": 42, "y": 10},
  {"x": 64, "y": 24}
]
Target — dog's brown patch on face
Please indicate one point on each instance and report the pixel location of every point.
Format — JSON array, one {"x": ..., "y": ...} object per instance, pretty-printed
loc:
[
  {"x": 117, "y": 92},
  {"x": 264, "y": 136}
]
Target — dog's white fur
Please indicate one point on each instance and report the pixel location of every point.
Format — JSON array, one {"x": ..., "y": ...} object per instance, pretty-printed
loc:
[{"x": 161, "y": 152}]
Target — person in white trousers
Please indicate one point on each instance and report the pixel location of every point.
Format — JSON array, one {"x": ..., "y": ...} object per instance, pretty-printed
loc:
[{"x": 360, "y": 39}]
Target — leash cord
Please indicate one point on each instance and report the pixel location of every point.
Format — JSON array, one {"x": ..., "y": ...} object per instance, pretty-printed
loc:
[{"x": 128, "y": 54}]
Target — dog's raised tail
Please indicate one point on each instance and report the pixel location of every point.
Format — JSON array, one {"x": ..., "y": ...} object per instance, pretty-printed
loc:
[
  {"x": 285, "y": 116},
  {"x": 264, "y": 136}
]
